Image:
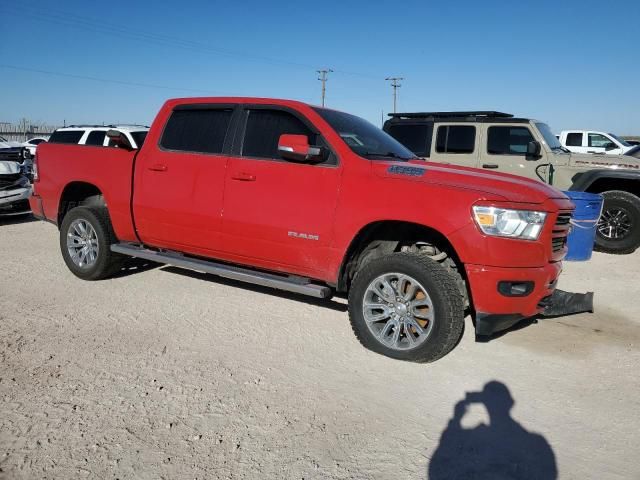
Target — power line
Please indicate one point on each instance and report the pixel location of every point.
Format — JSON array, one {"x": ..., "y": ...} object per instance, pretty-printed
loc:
[
  {"x": 323, "y": 78},
  {"x": 104, "y": 80},
  {"x": 395, "y": 83},
  {"x": 100, "y": 26}
]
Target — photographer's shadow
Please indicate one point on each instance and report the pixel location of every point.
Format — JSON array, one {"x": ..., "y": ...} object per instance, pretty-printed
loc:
[{"x": 501, "y": 450}]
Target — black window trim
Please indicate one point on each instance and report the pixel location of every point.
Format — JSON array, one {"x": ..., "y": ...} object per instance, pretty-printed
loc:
[
  {"x": 434, "y": 145},
  {"x": 241, "y": 127},
  {"x": 522, "y": 154},
  {"x": 229, "y": 135}
]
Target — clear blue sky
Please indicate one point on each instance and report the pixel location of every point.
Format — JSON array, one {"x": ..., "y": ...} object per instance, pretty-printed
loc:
[{"x": 574, "y": 64}]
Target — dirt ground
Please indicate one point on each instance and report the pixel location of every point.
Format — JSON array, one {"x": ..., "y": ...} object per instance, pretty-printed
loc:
[{"x": 166, "y": 373}]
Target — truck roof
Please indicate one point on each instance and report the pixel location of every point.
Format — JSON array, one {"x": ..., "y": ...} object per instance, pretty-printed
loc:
[{"x": 258, "y": 100}]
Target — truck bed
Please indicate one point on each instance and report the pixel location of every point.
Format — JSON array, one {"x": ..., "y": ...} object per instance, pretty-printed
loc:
[{"x": 108, "y": 168}]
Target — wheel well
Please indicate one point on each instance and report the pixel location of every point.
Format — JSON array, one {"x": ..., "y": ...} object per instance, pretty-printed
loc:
[
  {"x": 381, "y": 238},
  {"x": 78, "y": 193},
  {"x": 606, "y": 184}
]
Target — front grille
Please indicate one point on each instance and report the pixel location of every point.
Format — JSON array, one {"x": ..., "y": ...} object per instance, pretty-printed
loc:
[
  {"x": 11, "y": 154},
  {"x": 560, "y": 231},
  {"x": 7, "y": 181},
  {"x": 563, "y": 219}
]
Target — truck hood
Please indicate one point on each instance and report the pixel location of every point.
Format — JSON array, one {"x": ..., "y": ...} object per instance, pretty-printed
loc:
[
  {"x": 10, "y": 144},
  {"x": 596, "y": 160},
  {"x": 493, "y": 185}
]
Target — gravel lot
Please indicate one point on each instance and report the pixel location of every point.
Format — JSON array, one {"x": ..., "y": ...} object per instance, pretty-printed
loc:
[{"x": 166, "y": 373}]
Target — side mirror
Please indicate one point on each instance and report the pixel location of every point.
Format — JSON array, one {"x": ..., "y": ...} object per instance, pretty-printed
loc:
[
  {"x": 533, "y": 150},
  {"x": 119, "y": 139},
  {"x": 297, "y": 148},
  {"x": 610, "y": 146}
]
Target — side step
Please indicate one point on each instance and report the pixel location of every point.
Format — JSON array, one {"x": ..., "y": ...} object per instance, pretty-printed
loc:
[{"x": 281, "y": 282}]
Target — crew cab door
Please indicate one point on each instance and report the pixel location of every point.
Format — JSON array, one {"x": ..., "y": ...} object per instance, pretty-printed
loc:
[
  {"x": 278, "y": 213},
  {"x": 598, "y": 143},
  {"x": 506, "y": 151},
  {"x": 179, "y": 182},
  {"x": 455, "y": 143}
]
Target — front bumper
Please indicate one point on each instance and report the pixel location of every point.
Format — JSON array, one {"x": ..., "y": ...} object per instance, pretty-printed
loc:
[
  {"x": 15, "y": 201},
  {"x": 496, "y": 311}
]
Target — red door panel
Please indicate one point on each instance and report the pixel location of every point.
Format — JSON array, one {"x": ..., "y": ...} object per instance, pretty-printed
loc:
[
  {"x": 280, "y": 212},
  {"x": 178, "y": 199}
]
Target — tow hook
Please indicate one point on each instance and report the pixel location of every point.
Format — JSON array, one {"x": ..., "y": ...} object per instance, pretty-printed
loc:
[{"x": 566, "y": 303}]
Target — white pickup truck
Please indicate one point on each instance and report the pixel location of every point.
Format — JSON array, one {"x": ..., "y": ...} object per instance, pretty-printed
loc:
[{"x": 588, "y": 141}]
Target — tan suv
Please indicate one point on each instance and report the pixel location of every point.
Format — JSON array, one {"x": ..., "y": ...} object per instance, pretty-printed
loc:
[{"x": 521, "y": 146}]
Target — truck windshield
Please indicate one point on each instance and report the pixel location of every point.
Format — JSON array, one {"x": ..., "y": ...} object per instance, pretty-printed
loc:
[
  {"x": 363, "y": 138},
  {"x": 549, "y": 138},
  {"x": 624, "y": 144}
]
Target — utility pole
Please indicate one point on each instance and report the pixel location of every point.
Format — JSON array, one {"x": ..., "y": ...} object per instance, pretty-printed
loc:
[
  {"x": 395, "y": 83},
  {"x": 323, "y": 78}
]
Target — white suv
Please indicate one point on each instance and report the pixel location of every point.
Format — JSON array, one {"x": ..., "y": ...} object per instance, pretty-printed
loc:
[
  {"x": 97, "y": 134},
  {"x": 588, "y": 141}
]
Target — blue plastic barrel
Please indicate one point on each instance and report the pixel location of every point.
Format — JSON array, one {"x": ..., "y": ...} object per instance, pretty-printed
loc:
[{"x": 583, "y": 225}]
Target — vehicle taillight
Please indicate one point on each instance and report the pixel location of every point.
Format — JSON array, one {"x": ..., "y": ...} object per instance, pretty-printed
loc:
[{"x": 34, "y": 167}]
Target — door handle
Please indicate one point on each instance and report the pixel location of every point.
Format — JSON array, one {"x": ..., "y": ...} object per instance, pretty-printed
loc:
[
  {"x": 244, "y": 177},
  {"x": 489, "y": 165},
  {"x": 158, "y": 168}
]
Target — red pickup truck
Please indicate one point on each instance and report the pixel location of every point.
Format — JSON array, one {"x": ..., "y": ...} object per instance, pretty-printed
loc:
[{"x": 313, "y": 201}]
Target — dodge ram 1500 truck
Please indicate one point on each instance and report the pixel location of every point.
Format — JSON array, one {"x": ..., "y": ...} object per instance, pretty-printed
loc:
[{"x": 313, "y": 201}]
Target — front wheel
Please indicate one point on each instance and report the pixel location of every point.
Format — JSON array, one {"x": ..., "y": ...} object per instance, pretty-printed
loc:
[
  {"x": 406, "y": 306},
  {"x": 618, "y": 229},
  {"x": 85, "y": 240}
]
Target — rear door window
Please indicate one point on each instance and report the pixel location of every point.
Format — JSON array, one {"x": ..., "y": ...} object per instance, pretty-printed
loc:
[
  {"x": 416, "y": 137},
  {"x": 508, "y": 140},
  {"x": 96, "y": 137},
  {"x": 197, "y": 130},
  {"x": 574, "y": 139},
  {"x": 456, "y": 139},
  {"x": 66, "y": 136}
]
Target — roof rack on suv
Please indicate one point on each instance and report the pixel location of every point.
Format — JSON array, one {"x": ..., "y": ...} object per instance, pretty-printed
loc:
[
  {"x": 120, "y": 125},
  {"x": 87, "y": 126},
  {"x": 476, "y": 113}
]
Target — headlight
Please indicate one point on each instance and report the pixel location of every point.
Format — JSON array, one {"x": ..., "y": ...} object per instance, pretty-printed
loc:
[{"x": 503, "y": 222}]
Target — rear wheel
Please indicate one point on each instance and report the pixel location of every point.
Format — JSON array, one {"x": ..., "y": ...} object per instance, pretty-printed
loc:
[
  {"x": 406, "y": 306},
  {"x": 86, "y": 236},
  {"x": 618, "y": 229}
]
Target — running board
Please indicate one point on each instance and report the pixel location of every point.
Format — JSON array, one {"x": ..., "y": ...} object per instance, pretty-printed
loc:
[{"x": 281, "y": 282}]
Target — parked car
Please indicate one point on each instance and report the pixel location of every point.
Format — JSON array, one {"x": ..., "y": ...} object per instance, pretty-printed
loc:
[
  {"x": 584, "y": 141},
  {"x": 313, "y": 201},
  {"x": 633, "y": 143},
  {"x": 15, "y": 152},
  {"x": 521, "y": 146},
  {"x": 15, "y": 189},
  {"x": 97, "y": 134},
  {"x": 32, "y": 143}
]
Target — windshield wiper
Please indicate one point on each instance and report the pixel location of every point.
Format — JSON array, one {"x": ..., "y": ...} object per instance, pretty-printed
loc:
[{"x": 388, "y": 154}]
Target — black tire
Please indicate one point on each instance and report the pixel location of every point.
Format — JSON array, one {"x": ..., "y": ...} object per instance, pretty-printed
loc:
[
  {"x": 617, "y": 200},
  {"x": 439, "y": 284},
  {"x": 107, "y": 263}
]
